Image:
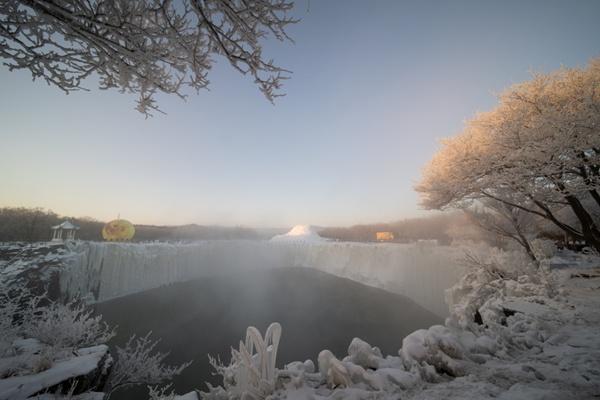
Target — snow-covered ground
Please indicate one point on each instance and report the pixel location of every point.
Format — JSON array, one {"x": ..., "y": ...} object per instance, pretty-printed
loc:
[
  {"x": 537, "y": 344},
  {"x": 83, "y": 364}
]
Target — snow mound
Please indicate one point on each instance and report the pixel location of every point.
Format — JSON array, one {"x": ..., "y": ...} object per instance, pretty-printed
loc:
[{"x": 300, "y": 233}]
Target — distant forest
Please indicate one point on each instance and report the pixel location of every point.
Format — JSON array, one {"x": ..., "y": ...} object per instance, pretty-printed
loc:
[
  {"x": 444, "y": 228},
  {"x": 33, "y": 224}
]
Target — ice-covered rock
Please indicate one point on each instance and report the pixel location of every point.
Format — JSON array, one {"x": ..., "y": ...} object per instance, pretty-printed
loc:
[
  {"x": 37, "y": 265},
  {"x": 438, "y": 347},
  {"x": 85, "y": 370},
  {"x": 361, "y": 353},
  {"x": 332, "y": 370}
]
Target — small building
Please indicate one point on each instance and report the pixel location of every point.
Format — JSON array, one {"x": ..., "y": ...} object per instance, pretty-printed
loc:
[
  {"x": 384, "y": 236},
  {"x": 64, "y": 231}
]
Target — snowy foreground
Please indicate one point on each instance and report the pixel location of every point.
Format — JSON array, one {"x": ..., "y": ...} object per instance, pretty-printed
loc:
[
  {"x": 514, "y": 332},
  {"x": 533, "y": 338}
]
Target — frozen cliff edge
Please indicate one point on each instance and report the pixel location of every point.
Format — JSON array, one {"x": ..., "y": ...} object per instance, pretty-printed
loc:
[{"x": 104, "y": 271}]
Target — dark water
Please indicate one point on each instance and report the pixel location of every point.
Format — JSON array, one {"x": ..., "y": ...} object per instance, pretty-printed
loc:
[{"x": 316, "y": 310}]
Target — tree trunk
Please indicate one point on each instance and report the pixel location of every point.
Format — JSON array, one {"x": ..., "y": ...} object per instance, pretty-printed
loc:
[
  {"x": 546, "y": 213},
  {"x": 595, "y": 196},
  {"x": 586, "y": 178},
  {"x": 569, "y": 230},
  {"x": 523, "y": 241},
  {"x": 590, "y": 232}
]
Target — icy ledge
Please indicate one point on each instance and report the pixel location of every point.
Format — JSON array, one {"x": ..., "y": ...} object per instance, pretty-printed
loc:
[{"x": 86, "y": 366}]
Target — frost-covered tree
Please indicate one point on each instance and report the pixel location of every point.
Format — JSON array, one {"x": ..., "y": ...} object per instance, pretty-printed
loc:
[
  {"x": 139, "y": 364},
  {"x": 35, "y": 332},
  {"x": 65, "y": 325},
  {"x": 538, "y": 151},
  {"x": 142, "y": 46},
  {"x": 55, "y": 331}
]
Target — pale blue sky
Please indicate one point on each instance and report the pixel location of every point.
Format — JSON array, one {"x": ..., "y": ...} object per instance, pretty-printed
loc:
[{"x": 376, "y": 84}]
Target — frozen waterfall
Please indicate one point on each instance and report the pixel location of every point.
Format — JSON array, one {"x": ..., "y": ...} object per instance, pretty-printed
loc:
[{"x": 107, "y": 270}]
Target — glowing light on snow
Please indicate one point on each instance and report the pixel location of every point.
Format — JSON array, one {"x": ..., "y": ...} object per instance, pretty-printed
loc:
[{"x": 300, "y": 233}]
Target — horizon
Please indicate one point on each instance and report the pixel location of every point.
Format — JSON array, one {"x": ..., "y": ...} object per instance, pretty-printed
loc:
[
  {"x": 68, "y": 217},
  {"x": 335, "y": 151}
]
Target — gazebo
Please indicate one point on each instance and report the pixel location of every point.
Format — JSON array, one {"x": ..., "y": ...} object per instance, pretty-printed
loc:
[{"x": 66, "y": 228}]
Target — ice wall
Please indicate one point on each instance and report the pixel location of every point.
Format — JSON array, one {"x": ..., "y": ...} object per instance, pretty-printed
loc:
[{"x": 108, "y": 270}]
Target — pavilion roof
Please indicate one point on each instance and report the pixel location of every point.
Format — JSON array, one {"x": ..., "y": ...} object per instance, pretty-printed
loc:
[{"x": 65, "y": 225}]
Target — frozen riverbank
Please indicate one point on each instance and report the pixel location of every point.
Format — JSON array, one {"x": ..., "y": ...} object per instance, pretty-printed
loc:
[
  {"x": 536, "y": 338},
  {"x": 110, "y": 270}
]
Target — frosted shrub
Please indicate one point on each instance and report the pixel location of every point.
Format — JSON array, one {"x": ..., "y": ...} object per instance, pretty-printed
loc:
[
  {"x": 500, "y": 263},
  {"x": 137, "y": 363},
  {"x": 490, "y": 275},
  {"x": 12, "y": 306},
  {"x": 60, "y": 326},
  {"x": 251, "y": 374},
  {"x": 158, "y": 393},
  {"x": 35, "y": 332},
  {"x": 69, "y": 325}
]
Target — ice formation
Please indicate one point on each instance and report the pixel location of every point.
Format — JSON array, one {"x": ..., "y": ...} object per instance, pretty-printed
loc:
[
  {"x": 252, "y": 375},
  {"x": 108, "y": 270}
]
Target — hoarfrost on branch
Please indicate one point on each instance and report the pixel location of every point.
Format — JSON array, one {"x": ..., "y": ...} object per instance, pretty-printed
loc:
[{"x": 142, "y": 46}]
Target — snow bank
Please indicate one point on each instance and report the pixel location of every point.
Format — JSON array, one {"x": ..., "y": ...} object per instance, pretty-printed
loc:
[
  {"x": 300, "y": 233},
  {"x": 108, "y": 270},
  {"x": 88, "y": 364}
]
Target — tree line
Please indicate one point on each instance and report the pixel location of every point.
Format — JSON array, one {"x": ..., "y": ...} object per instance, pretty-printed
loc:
[
  {"x": 21, "y": 224},
  {"x": 435, "y": 228}
]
